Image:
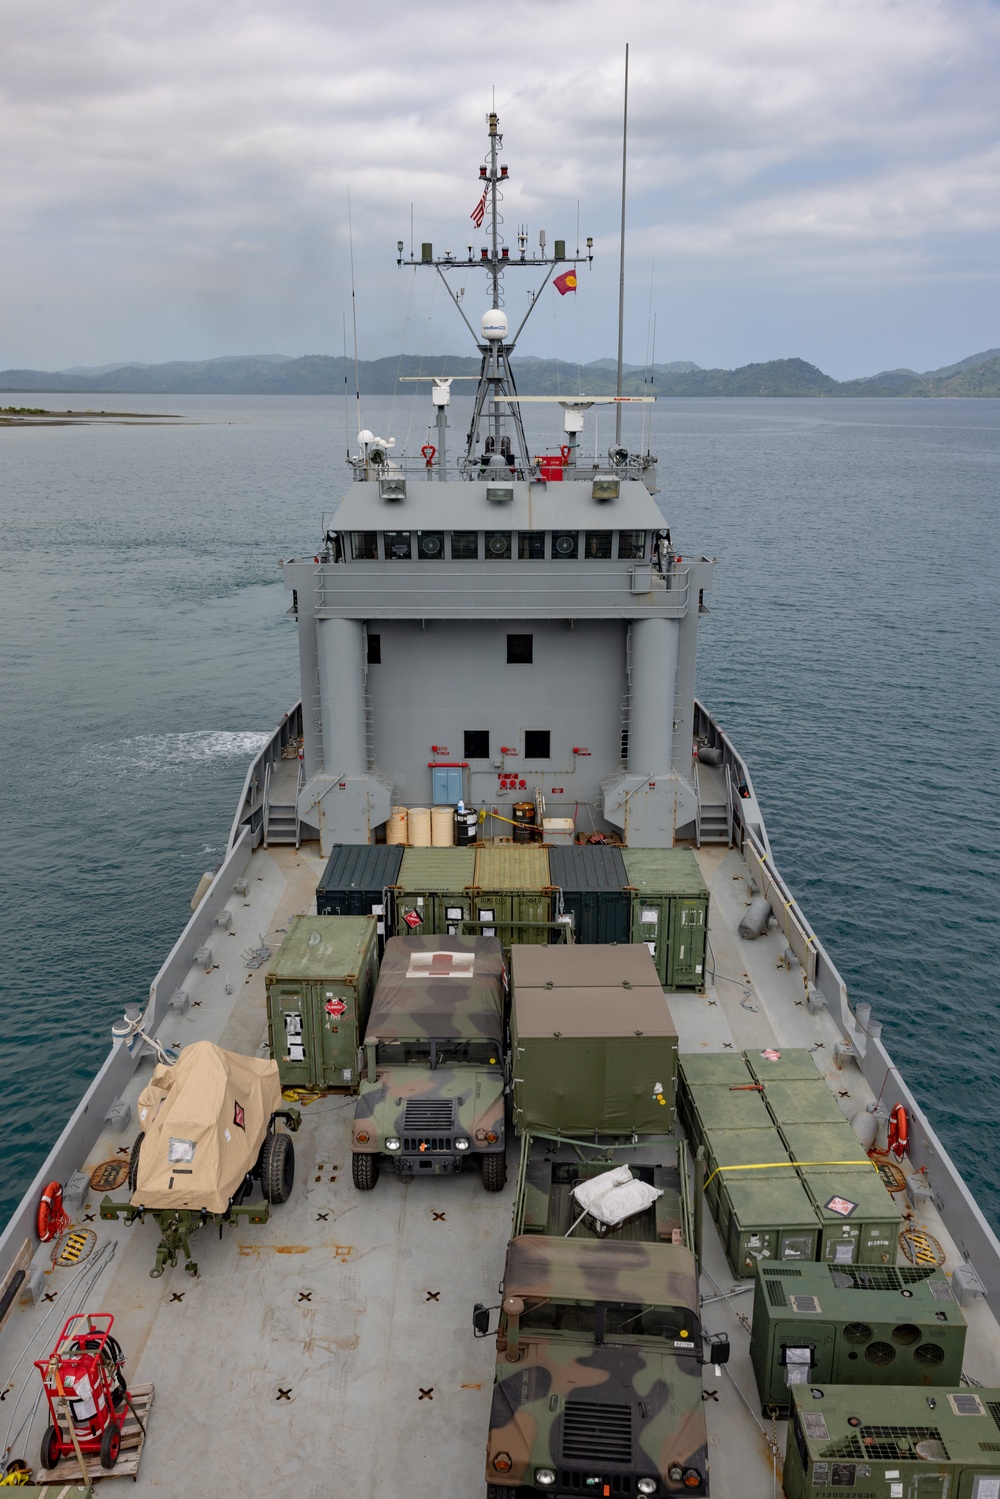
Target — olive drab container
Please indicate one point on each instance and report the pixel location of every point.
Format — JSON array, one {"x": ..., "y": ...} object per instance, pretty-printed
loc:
[
  {"x": 594, "y": 1046},
  {"x": 432, "y": 895},
  {"x": 513, "y": 894},
  {"x": 670, "y": 912},
  {"x": 319, "y": 993},
  {"x": 357, "y": 881}
]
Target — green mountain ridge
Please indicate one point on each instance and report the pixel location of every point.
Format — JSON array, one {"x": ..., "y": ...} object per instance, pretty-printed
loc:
[{"x": 321, "y": 374}]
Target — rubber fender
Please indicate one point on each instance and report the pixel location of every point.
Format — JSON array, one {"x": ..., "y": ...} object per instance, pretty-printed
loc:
[
  {"x": 710, "y": 754},
  {"x": 756, "y": 919},
  {"x": 865, "y": 1126}
]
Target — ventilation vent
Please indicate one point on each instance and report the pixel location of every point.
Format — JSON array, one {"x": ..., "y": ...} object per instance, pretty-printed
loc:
[
  {"x": 989, "y": 1446},
  {"x": 993, "y": 1406},
  {"x": 597, "y": 1433},
  {"x": 906, "y": 1335},
  {"x": 858, "y": 1332},
  {"x": 890, "y": 1444},
  {"x": 929, "y": 1355},
  {"x": 428, "y": 1113},
  {"x": 775, "y": 1292},
  {"x": 880, "y": 1354},
  {"x": 878, "y": 1277}
]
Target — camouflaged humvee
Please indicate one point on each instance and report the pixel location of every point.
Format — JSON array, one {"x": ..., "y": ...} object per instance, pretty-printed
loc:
[
  {"x": 433, "y": 1097},
  {"x": 599, "y": 1348}
]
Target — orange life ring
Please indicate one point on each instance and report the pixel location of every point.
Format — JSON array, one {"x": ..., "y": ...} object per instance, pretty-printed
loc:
[
  {"x": 427, "y": 452},
  {"x": 898, "y": 1132},
  {"x": 52, "y": 1217}
]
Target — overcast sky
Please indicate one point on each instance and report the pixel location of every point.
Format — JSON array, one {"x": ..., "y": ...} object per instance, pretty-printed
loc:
[{"x": 806, "y": 177}]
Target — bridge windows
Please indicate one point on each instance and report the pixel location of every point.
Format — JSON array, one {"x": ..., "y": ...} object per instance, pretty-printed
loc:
[
  {"x": 530, "y": 545},
  {"x": 498, "y": 545},
  {"x": 565, "y": 544},
  {"x": 430, "y": 545},
  {"x": 364, "y": 546},
  {"x": 597, "y": 544},
  {"x": 632, "y": 545},
  {"x": 397, "y": 546},
  {"x": 464, "y": 546}
]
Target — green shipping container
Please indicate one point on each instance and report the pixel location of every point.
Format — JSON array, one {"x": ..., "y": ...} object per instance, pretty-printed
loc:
[
  {"x": 795, "y": 1065},
  {"x": 670, "y": 912},
  {"x": 824, "y": 1144},
  {"x": 319, "y": 992},
  {"x": 802, "y": 1103},
  {"x": 433, "y": 893},
  {"x": 597, "y": 1058},
  {"x": 769, "y": 1219},
  {"x": 729, "y": 1151},
  {"x": 513, "y": 893},
  {"x": 706, "y": 1068},
  {"x": 719, "y": 1107},
  {"x": 859, "y": 1220}
]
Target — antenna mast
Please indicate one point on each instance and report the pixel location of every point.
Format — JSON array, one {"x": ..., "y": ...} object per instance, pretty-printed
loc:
[{"x": 621, "y": 275}]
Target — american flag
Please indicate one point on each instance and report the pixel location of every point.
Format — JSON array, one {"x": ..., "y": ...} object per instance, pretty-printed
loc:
[{"x": 479, "y": 212}]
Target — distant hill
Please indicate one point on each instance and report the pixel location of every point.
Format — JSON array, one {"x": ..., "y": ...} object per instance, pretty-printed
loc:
[{"x": 323, "y": 374}]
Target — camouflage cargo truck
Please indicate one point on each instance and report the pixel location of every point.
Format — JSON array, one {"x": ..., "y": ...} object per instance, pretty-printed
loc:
[
  {"x": 598, "y": 1386},
  {"x": 433, "y": 1095}
]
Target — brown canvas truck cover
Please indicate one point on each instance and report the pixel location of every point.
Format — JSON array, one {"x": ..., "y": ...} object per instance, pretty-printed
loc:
[
  {"x": 204, "y": 1120},
  {"x": 441, "y": 987},
  {"x": 596, "y": 1052}
]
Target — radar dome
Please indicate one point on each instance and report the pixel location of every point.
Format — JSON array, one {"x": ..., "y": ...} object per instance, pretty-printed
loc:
[{"x": 494, "y": 325}]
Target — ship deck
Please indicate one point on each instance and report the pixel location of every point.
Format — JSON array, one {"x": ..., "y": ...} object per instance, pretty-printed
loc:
[{"x": 331, "y": 1350}]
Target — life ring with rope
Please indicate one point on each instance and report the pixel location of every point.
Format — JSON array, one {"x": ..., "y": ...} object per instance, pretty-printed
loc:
[
  {"x": 899, "y": 1131},
  {"x": 427, "y": 453},
  {"x": 564, "y": 453},
  {"x": 52, "y": 1218}
]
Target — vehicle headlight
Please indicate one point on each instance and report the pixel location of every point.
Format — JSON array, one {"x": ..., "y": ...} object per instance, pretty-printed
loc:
[
  {"x": 646, "y": 1485},
  {"x": 545, "y": 1477},
  {"x": 392, "y": 1143},
  {"x": 462, "y": 1143}
]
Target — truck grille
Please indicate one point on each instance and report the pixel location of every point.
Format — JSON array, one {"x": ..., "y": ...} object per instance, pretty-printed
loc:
[
  {"x": 573, "y": 1481},
  {"x": 597, "y": 1433},
  {"x": 429, "y": 1122}
]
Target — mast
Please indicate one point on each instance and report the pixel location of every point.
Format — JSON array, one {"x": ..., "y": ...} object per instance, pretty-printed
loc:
[
  {"x": 621, "y": 272},
  {"x": 494, "y": 341}
]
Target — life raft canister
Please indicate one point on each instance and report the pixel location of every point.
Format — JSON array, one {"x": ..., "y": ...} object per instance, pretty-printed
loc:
[
  {"x": 52, "y": 1217},
  {"x": 898, "y": 1132}
]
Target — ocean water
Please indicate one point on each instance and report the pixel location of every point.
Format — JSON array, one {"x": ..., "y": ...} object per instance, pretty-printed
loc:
[{"x": 852, "y": 651}]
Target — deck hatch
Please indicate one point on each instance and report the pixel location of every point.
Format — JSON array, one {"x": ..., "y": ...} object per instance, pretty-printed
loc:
[{"x": 597, "y": 1433}]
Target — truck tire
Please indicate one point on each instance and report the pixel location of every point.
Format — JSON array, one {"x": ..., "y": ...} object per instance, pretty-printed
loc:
[
  {"x": 277, "y": 1168},
  {"x": 494, "y": 1170},
  {"x": 364, "y": 1169},
  {"x": 133, "y": 1163}
]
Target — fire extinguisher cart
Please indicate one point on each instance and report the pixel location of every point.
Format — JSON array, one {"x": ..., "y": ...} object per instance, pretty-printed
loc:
[{"x": 97, "y": 1425}]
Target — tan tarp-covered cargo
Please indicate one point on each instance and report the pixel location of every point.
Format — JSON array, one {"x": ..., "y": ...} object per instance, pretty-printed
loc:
[{"x": 205, "y": 1119}]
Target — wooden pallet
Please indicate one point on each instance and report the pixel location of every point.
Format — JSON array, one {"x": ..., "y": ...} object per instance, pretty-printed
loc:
[{"x": 67, "y": 1469}]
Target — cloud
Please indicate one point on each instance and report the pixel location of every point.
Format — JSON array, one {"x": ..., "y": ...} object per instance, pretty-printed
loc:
[{"x": 176, "y": 177}]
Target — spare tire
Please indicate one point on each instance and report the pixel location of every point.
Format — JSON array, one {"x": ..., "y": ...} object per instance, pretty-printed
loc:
[{"x": 277, "y": 1167}]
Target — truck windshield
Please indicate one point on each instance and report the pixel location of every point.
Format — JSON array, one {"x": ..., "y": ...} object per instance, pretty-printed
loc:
[
  {"x": 477, "y": 1052},
  {"x": 395, "y": 1053},
  {"x": 610, "y": 1319}
]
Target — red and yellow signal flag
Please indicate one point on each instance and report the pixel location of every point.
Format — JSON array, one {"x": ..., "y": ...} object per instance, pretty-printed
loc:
[{"x": 566, "y": 282}]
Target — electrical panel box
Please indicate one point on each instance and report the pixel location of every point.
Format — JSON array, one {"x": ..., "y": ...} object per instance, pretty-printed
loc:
[
  {"x": 433, "y": 894},
  {"x": 670, "y": 912},
  {"x": 852, "y": 1325},
  {"x": 900, "y": 1443},
  {"x": 319, "y": 993}
]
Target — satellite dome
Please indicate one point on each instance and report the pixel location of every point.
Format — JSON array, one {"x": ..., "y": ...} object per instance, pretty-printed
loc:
[{"x": 494, "y": 325}]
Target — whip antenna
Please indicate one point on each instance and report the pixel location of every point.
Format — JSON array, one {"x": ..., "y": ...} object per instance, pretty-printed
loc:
[
  {"x": 621, "y": 276},
  {"x": 354, "y": 314}
]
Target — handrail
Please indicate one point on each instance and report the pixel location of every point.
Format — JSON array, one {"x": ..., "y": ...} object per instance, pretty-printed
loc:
[
  {"x": 266, "y": 803},
  {"x": 298, "y": 788},
  {"x": 290, "y": 727},
  {"x": 697, "y": 803}
]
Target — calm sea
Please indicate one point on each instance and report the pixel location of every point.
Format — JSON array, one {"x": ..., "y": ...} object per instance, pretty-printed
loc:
[{"x": 852, "y": 651}]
